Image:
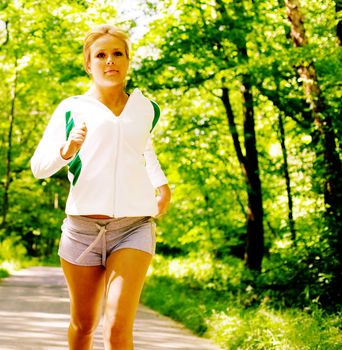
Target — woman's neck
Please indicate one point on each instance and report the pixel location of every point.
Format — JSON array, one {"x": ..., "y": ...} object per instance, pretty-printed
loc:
[
  {"x": 114, "y": 98},
  {"x": 112, "y": 95}
]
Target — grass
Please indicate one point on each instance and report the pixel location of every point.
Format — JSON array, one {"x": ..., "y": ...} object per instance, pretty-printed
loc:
[
  {"x": 13, "y": 257},
  {"x": 264, "y": 328},
  {"x": 3, "y": 273},
  {"x": 190, "y": 290}
]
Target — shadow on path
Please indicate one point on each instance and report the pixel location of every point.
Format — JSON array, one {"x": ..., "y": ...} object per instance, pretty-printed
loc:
[{"x": 34, "y": 315}]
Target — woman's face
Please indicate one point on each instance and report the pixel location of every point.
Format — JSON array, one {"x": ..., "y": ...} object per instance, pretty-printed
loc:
[{"x": 108, "y": 64}]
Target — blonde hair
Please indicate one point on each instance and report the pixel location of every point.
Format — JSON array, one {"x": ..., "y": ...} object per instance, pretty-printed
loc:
[{"x": 98, "y": 32}]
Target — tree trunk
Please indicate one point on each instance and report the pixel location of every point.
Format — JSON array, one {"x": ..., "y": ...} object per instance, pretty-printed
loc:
[
  {"x": 323, "y": 124},
  {"x": 9, "y": 149},
  {"x": 287, "y": 178},
  {"x": 255, "y": 229},
  {"x": 250, "y": 170},
  {"x": 249, "y": 162}
]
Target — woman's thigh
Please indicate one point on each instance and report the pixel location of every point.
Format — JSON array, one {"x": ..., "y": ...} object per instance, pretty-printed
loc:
[
  {"x": 125, "y": 275},
  {"x": 86, "y": 286}
]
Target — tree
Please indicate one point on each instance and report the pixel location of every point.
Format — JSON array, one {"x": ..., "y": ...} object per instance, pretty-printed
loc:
[
  {"x": 323, "y": 131},
  {"x": 197, "y": 46}
]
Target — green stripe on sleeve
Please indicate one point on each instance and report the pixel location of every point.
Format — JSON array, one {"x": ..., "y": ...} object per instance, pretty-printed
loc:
[
  {"x": 75, "y": 166},
  {"x": 69, "y": 123},
  {"x": 156, "y": 114}
]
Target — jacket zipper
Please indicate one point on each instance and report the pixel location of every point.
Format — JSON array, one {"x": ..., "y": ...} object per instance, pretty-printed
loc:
[{"x": 116, "y": 167}]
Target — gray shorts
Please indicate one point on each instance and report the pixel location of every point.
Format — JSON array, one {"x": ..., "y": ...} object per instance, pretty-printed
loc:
[{"x": 88, "y": 242}]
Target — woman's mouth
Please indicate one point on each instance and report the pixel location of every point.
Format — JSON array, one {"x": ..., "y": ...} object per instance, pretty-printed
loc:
[{"x": 111, "y": 71}]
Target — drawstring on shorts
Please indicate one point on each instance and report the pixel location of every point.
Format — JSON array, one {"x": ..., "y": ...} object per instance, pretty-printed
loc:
[{"x": 100, "y": 236}]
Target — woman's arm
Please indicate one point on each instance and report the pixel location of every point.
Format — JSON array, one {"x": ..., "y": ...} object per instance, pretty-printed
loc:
[
  {"x": 47, "y": 158},
  {"x": 164, "y": 199},
  {"x": 157, "y": 177}
]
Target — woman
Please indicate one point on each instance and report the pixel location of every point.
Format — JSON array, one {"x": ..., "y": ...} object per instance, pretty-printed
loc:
[{"x": 108, "y": 237}]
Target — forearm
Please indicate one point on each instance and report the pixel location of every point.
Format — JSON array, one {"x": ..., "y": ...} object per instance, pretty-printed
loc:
[
  {"x": 46, "y": 163},
  {"x": 67, "y": 152},
  {"x": 47, "y": 158},
  {"x": 164, "y": 199},
  {"x": 165, "y": 191}
]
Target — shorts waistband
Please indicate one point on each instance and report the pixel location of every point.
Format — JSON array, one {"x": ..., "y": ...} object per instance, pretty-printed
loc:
[{"x": 110, "y": 224}]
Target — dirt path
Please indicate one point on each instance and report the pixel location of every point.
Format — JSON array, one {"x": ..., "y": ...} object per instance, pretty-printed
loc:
[{"x": 34, "y": 315}]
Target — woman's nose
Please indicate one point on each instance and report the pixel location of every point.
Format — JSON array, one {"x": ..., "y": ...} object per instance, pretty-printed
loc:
[{"x": 111, "y": 59}]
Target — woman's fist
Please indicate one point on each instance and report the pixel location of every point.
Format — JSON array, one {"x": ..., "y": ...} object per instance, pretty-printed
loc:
[
  {"x": 75, "y": 141},
  {"x": 163, "y": 199}
]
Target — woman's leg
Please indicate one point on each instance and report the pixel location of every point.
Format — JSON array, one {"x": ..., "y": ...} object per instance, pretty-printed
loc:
[
  {"x": 86, "y": 291},
  {"x": 125, "y": 275}
]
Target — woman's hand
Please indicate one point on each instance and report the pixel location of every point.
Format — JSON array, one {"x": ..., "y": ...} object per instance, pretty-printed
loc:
[
  {"x": 75, "y": 141},
  {"x": 164, "y": 199}
]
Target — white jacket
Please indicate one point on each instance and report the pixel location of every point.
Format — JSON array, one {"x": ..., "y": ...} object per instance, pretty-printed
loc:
[{"x": 116, "y": 171}]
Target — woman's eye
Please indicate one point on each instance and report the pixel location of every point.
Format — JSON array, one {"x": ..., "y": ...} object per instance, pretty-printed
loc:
[
  {"x": 118, "y": 53},
  {"x": 100, "y": 55}
]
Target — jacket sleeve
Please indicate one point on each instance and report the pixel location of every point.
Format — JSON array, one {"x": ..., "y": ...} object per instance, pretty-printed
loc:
[
  {"x": 47, "y": 159},
  {"x": 153, "y": 167}
]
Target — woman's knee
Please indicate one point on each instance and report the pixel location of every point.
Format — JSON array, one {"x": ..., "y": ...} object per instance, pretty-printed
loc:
[
  {"x": 117, "y": 333},
  {"x": 84, "y": 325}
]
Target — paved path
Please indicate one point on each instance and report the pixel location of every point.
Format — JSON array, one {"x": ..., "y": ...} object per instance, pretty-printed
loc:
[{"x": 34, "y": 315}]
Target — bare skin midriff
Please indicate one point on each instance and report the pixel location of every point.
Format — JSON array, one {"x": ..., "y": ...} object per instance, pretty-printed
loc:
[{"x": 98, "y": 216}]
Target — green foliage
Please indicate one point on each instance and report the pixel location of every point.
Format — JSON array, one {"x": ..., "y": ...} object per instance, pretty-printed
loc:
[
  {"x": 12, "y": 255},
  {"x": 195, "y": 141},
  {"x": 193, "y": 50},
  {"x": 3, "y": 273},
  {"x": 268, "y": 329},
  {"x": 302, "y": 274},
  {"x": 11, "y": 249},
  {"x": 215, "y": 300}
]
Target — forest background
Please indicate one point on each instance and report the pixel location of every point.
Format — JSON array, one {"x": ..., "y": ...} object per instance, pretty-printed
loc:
[{"x": 250, "y": 251}]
